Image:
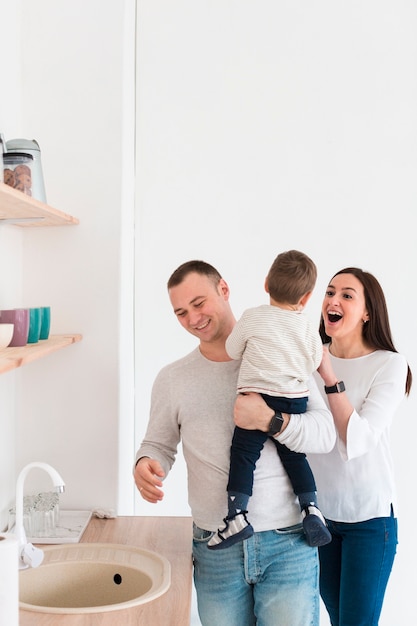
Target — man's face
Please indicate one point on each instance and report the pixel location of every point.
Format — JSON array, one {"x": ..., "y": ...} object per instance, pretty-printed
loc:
[{"x": 202, "y": 307}]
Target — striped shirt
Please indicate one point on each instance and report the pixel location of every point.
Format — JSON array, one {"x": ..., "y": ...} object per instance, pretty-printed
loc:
[{"x": 279, "y": 349}]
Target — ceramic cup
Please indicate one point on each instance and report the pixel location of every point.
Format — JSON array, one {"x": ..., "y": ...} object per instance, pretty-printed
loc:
[
  {"x": 35, "y": 320},
  {"x": 20, "y": 319},
  {"x": 45, "y": 322},
  {"x": 6, "y": 334}
]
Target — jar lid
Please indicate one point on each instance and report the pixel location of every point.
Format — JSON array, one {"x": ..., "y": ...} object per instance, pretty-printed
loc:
[{"x": 22, "y": 144}]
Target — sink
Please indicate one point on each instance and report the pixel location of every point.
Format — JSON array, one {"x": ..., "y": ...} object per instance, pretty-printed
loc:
[{"x": 93, "y": 578}]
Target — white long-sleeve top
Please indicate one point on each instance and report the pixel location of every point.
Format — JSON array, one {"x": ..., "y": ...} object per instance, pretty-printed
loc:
[
  {"x": 355, "y": 482},
  {"x": 279, "y": 349},
  {"x": 192, "y": 400}
]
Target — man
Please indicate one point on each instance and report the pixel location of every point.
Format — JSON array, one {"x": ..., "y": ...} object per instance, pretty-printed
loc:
[{"x": 270, "y": 579}]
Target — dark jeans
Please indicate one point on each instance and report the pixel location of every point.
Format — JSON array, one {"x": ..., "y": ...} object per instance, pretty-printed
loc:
[
  {"x": 354, "y": 570},
  {"x": 247, "y": 446}
]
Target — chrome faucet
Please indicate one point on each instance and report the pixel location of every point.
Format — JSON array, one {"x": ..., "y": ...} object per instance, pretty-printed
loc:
[{"x": 29, "y": 555}]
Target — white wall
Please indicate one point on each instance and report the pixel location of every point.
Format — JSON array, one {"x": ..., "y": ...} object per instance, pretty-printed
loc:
[
  {"x": 66, "y": 86},
  {"x": 266, "y": 126},
  {"x": 72, "y": 102}
]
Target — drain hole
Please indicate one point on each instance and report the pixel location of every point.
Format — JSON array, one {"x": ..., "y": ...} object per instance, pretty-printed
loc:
[{"x": 117, "y": 579}]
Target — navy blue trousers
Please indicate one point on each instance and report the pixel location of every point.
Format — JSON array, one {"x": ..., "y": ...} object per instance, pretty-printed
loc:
[
  {"x": 354, "y": 569},
  {"x": 247, "y": 446}
]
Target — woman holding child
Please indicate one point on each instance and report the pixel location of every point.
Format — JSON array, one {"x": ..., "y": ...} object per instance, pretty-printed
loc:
[{"x": 364, "y": 380}]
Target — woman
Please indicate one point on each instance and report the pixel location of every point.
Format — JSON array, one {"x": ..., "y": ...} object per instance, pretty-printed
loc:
[{"x": 365, "y": 380}]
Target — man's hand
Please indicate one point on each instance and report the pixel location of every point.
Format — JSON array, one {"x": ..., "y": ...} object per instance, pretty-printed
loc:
[
  {"x": 148, "y": 475},
  {"x": 251, "y": 412}
]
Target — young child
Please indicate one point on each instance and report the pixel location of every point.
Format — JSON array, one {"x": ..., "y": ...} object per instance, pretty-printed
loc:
[{"x": 279, "y": 350}]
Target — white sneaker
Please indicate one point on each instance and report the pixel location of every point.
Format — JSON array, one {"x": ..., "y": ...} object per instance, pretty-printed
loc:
[{"x": 237, "y": 529}]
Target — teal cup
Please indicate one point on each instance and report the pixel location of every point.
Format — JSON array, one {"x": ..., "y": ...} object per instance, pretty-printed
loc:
[
  {"x": 45, "y": 322},
  {"x": 35, "y": 319}
]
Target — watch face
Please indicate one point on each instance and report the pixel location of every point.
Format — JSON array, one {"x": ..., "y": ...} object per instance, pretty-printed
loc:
[{"x": 275, "y": 424}]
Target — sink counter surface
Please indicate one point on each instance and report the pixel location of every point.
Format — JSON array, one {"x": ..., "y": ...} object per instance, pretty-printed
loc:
[{"x": 170, "y": 537}]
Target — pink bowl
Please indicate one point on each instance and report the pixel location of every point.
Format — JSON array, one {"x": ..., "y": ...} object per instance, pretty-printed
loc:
[
  {"x": 20, "y": 319},
  {"x": 6, "y": 334}
]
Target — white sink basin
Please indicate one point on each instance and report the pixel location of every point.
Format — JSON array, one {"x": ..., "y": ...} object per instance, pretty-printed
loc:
[{"x": 93, "y": 578}]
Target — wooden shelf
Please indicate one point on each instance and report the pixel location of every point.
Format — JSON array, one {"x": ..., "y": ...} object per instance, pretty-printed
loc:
[
  {"x": 21, "y": 210},
  {"x": 12, "y": 358}
]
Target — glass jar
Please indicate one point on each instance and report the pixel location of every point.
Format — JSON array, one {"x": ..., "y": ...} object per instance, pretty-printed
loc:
[
  {"x": 17, "y": 171},
  {"x": 25, "y": 148}
]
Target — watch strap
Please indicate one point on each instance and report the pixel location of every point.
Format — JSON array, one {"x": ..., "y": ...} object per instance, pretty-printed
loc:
[{"x": 339, "y": 387}]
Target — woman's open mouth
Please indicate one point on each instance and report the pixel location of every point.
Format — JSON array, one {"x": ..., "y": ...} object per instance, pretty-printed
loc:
[{"x": 334, "y": 316}]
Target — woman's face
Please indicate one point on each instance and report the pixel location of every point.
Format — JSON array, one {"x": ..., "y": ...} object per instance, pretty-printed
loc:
[{"x": 343, "y": 310}]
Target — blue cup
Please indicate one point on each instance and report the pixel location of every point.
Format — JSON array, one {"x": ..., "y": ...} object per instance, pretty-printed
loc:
[
  {"x": 35, "y": 319},
  {"x": 45, "y": 322}
]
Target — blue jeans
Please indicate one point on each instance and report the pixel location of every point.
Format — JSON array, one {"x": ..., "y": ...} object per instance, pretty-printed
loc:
[
  {"x": 271, "y": 579},
  {"x": 354, "y": 570}
]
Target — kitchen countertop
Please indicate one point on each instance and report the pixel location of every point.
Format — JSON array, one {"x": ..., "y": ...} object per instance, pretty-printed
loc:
[{"x": 169, "y": 536}]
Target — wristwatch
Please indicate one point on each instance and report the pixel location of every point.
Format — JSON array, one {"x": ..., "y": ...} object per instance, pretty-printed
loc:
[
  {"x": 337, "y": 388},
  {"x": 275, "y": 424}
]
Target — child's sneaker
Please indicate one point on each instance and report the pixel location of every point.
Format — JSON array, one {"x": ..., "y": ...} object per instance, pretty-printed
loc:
[
  {"x": 237, "y": 529},
  {"x": 315, "y": 529}
]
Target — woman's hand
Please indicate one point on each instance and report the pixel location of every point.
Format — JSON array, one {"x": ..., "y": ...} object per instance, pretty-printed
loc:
[{"x": 325, "y": 369}]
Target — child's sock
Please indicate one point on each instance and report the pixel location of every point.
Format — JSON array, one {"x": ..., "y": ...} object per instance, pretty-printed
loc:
[
  {"x": 307, "y": 498},
  {"x": 236, "y": 503}
]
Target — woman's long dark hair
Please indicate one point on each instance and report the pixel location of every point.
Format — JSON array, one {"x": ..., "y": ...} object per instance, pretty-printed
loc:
[{"x": 376, "y": 332}]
